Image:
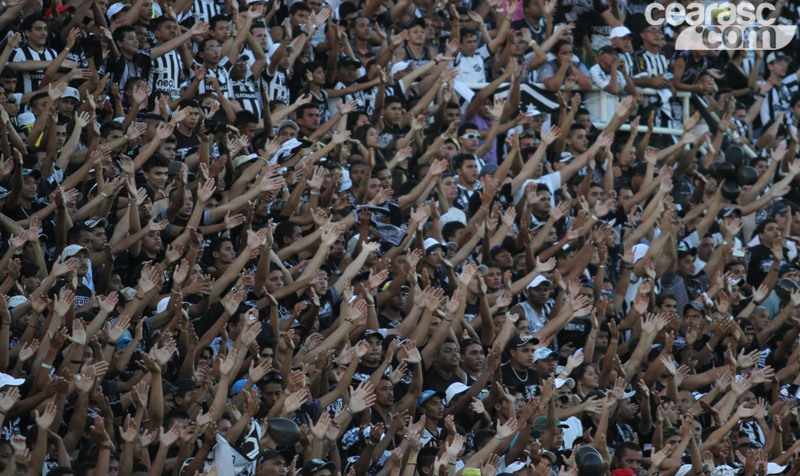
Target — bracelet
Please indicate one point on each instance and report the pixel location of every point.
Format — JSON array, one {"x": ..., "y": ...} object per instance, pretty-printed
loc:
[
  {"x": 106, "y": 447},
  {"x": 304, "y": 33},
  {"x": 451, "y": 464},
  {"x": 112, "y": 344},
  {"x": 2, "y": 412},
  {"x": 369, "y": 442},
  {"x": 6, "y": 323},
  {"x": 628, "y": 266},
  {"x": 348, "y": 410},
  {"x": 104, "y": 194},
  {"x": 436, "y": 62},
  {"x": 602, "y": 266},
  {"x": 76, "y": 361},
  {"x": 315, "y": 192},
  {"x": 591, "y": 337},
  {"x": 184, "y": 329},
  {"x": 69, "y": 76},
  {"x": 410, "y": 463},
  {"x": 46, "y": 366},
  {"x": 498, "y": 437},
  {"x": 531, "y": 43},
  {"x": 709, "y": 347},
  {"x": 304, "y": 351},
  {"x": 370, "y": 305},
  {"x": 172, "y": 291},
  {"x": 405, "y": 437}
]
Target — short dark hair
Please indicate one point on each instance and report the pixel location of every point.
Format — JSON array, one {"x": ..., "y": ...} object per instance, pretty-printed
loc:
[
  {"x": 157, "y": 160},
  {"x": 619, "y": 452},
  {"x": 299, "y": 6},
  {"x": 119, "y": 33},
  {"x": 458, "y": 161},
  {"x": 27, "y": 23},
  {"x": 243, "y": 118},
  {"x": 763, "y": 225},
  {"x": 300, "y": 111},
  {"x": 392, "y": 99},
  {"x": 466, "y": 126},
  {"x": 110, "y": 126},
  {"x": 220, "y": 17}
]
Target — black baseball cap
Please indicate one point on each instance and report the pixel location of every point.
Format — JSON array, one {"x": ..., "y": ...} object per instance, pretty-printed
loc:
[
  {"x": 316, "y": 465},
  {"x": 272, "y": 452},
  {"x": 522, "y": 339}
]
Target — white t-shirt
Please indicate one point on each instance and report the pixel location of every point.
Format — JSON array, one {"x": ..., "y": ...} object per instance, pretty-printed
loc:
[
  {"x": 601, "y": 79},
  {"x": 472, "y": 69}
]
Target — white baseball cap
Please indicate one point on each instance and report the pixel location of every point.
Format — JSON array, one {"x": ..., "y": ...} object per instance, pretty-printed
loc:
[
  {"x": 453, "y": 390},
  {"x": 560, "y": 382},
  {"x": 619, "y": 32},
  {"x": 71, "y": 92},
  {"x": 400, "y": 66},
  {"x": 6, "y": 379},
  {"x": 72, "y": 250},
  {"x": 539, "y": 279}
]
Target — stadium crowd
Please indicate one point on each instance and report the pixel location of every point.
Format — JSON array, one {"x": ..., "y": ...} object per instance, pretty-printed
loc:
[{"x": 395, "y": 237}]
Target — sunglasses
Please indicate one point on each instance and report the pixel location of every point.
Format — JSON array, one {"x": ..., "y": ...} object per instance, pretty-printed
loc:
[{"x": 471, "y": 136}]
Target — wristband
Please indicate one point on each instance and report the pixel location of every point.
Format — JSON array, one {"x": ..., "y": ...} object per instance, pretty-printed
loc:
[
  {"x": 304, "y": 33},
  {"x": 76, "y": 361},
  {"x": 410, "y": 463},
  {"x": 499, "y": 438},
  {"x": 46, "y": 366},
  {"x": 304, "y": 351},
  {"x": 104, "y": 194},
  {"x": 628, "y": 266},
  {"x": 348, "y": 410},
  {"x": 315, "y": 192},
  {"x": 369, "y": 442},
  {"x": 112, "y": 344},
  {"x": 709, "y": 347},
  {"x": 3, "y": 413}
]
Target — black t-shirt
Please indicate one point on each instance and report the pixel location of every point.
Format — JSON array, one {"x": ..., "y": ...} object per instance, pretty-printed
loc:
[
  {"x": 186, "y": 145},
  {"x": 580, "y": 12},
  {"x": 759, "y": 264},
  {"x": 527, "y": 380},
  {"x": 433, "y": 380},
  {"x": 82, "y": 294},
  {"x": 18, "y": 212}
]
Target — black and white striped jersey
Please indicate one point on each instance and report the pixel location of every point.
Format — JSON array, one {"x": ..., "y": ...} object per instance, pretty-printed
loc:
[
  {"x": 166, "y": 74},
  {"x": 203, "y": 10},
  {"x": 277, "y": 88},
  {"x": 777, "y": 100},
  {"x": 28, "y": 81},
  {"x": 646, "y": 64},
  {"x": 223, "y": 78},
  {"x": 627, "y": 60},
  {"x": 792, "y": 83},
  {"x": 246, "y": 92}
]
